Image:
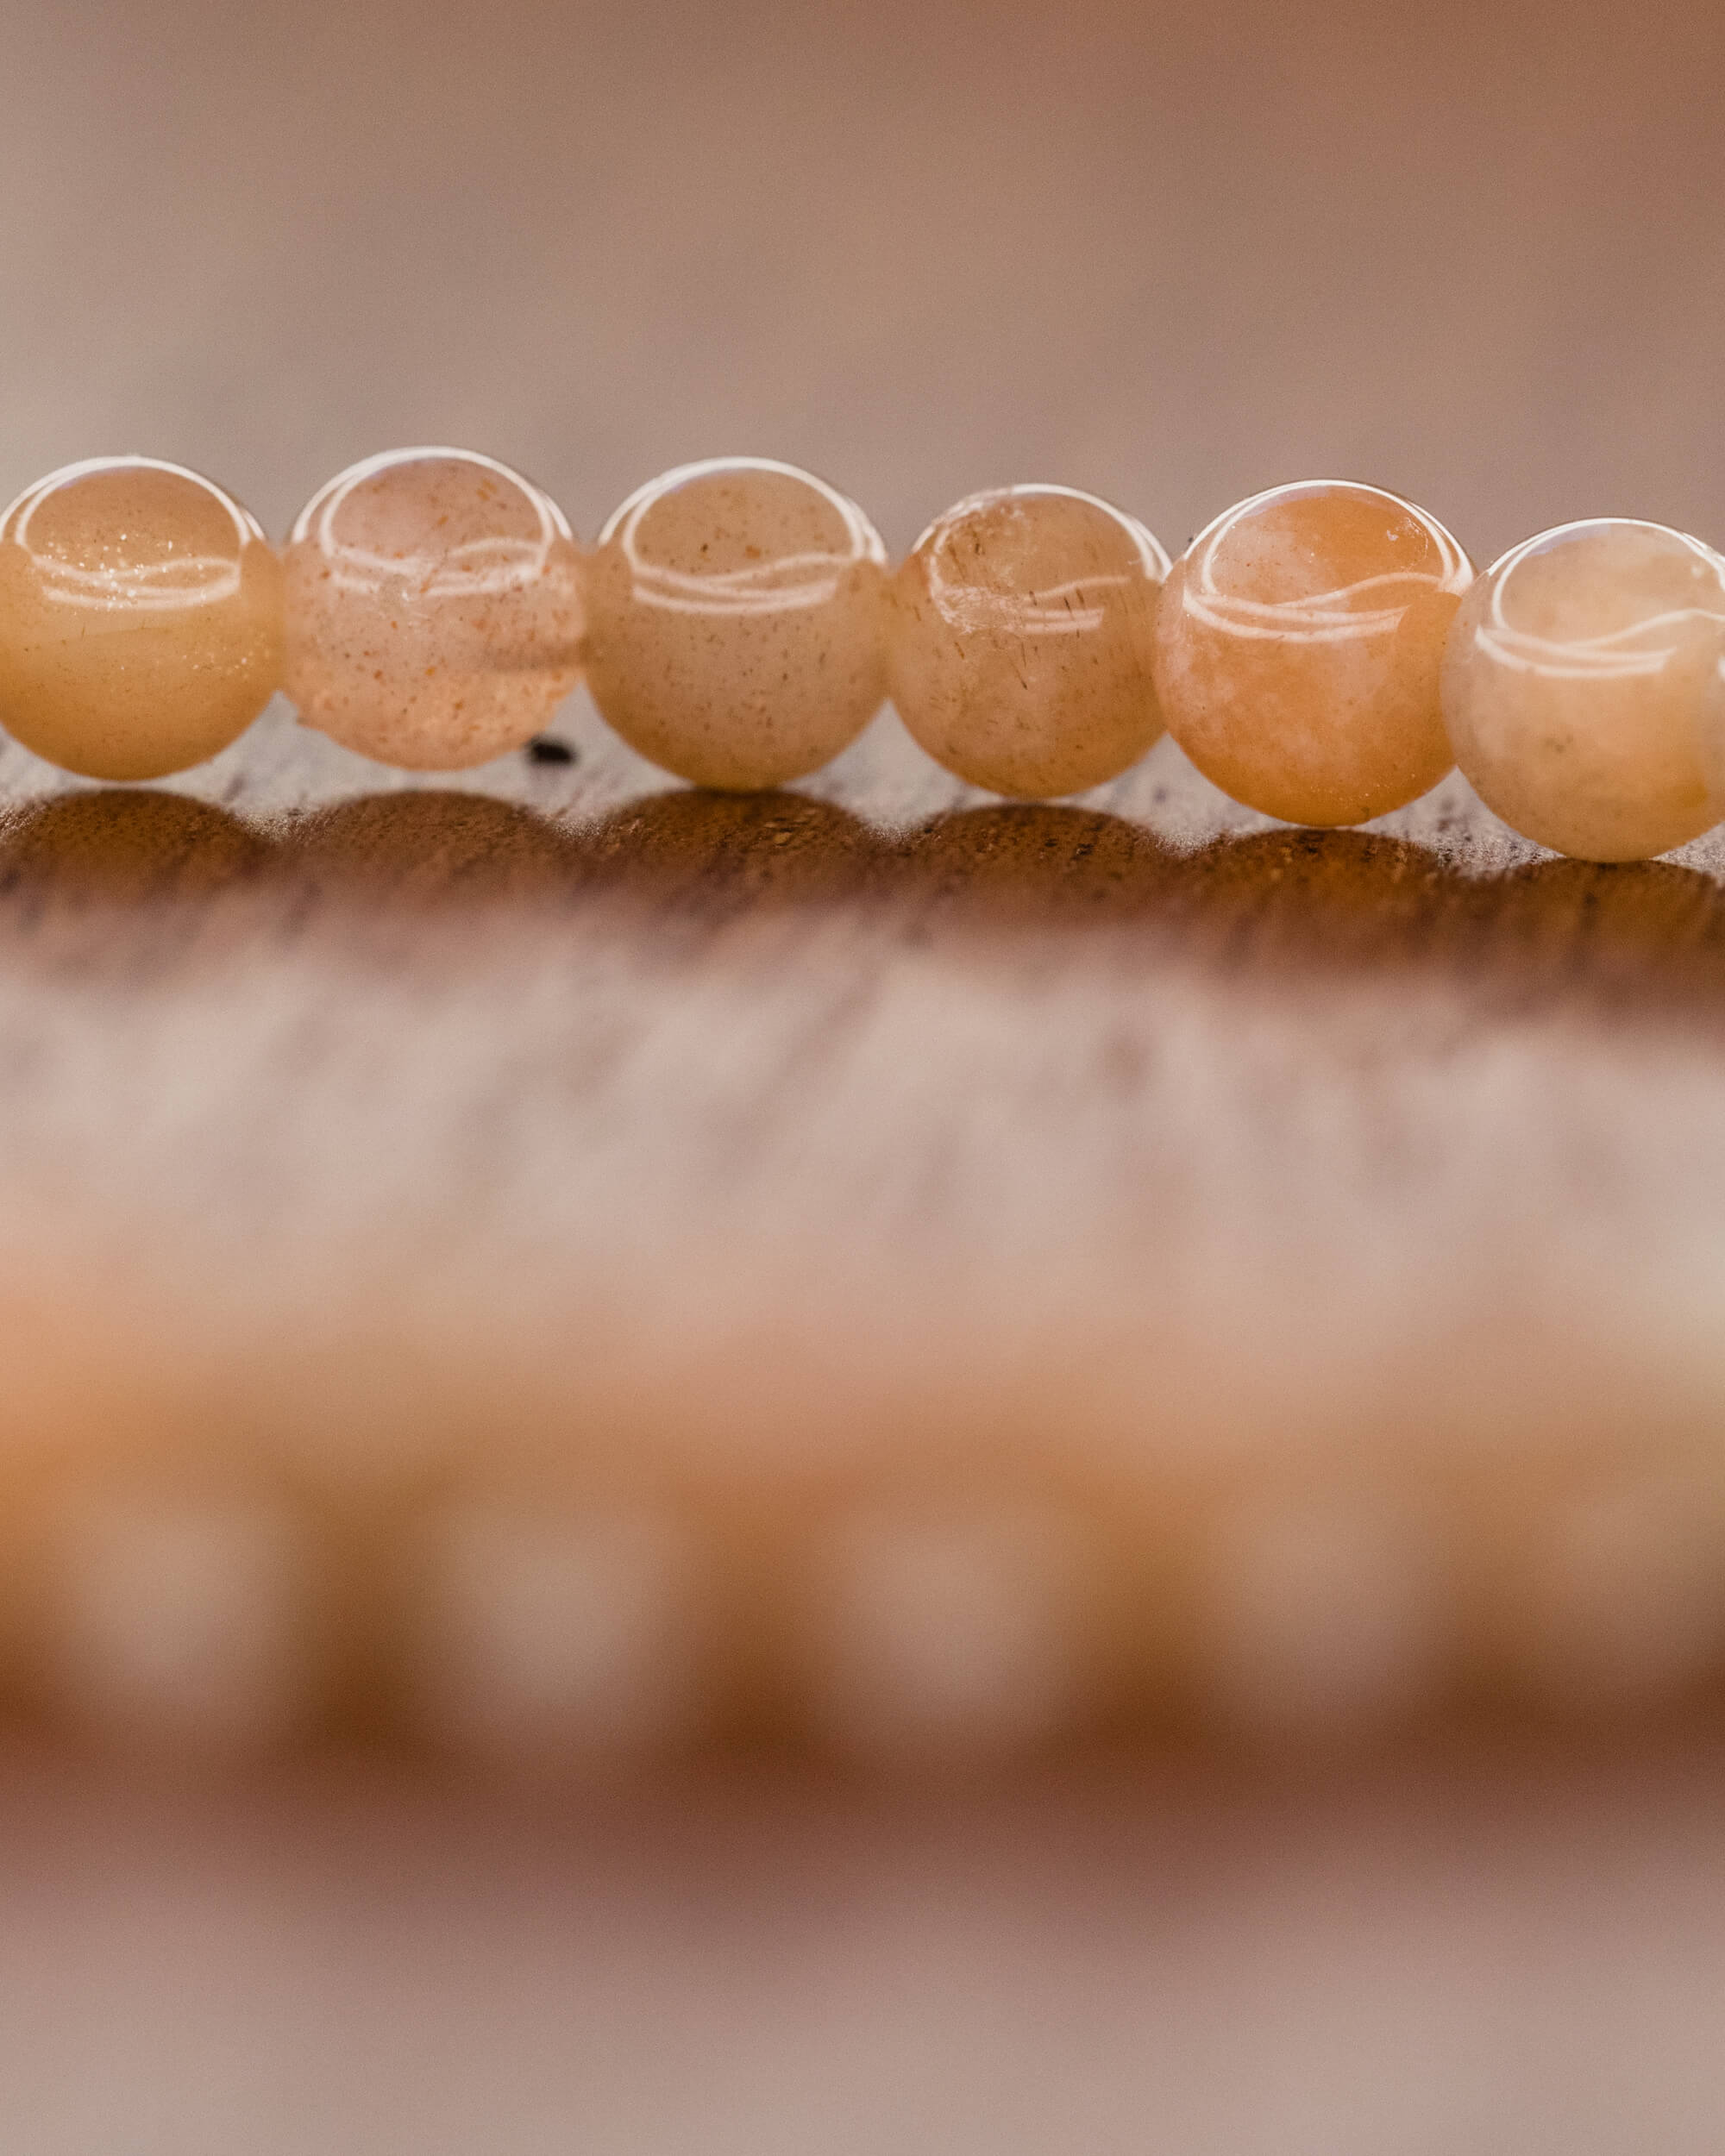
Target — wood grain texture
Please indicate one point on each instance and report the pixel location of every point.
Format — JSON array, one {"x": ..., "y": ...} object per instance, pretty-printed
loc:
[
  {"x": 1178, "y": 1189},
  {"x": 351, "y": 1152}
]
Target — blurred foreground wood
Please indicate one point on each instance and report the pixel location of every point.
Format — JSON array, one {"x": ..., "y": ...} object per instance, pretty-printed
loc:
[
  {"x": 1507, "y": 1949},
  {"x": 569, "y": 1268}
]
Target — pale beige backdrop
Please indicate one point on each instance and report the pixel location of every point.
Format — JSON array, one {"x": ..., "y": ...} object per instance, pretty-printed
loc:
[{"x": 1474, "y": 252}]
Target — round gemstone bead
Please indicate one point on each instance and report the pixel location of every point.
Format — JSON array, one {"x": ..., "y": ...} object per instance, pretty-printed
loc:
[
  {"x": 1299, "y": 645},
  {"x": 737, "y": 615},
  {"x": 141, "y": 618},
  {"x": 434, "y": 609},
  {"x": 1583, "y": 690},
  {"x": 1019, "y": 641}
]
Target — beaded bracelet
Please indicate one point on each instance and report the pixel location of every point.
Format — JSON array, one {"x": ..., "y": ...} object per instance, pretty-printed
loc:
[{"x": 1322, "y": 652}]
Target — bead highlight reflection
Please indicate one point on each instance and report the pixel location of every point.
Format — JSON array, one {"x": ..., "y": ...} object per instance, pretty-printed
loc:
[
  {"x": 1583, "y": 689},
  {"x": 737, "y": 619},
  {"x": 1299, "y": 644},
  {"x": 141, "y": 618},
  {"x": 1019, "y": 646},
  {"x": 434, "y": 609}
]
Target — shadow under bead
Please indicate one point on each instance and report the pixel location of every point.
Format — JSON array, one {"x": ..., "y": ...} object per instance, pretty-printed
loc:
[
  {"x": 426, "y": 846},
  {"x": 127, "y": 845},
  {"x": 722, "y": 852},
  {"x": 1030, "y": 863}
]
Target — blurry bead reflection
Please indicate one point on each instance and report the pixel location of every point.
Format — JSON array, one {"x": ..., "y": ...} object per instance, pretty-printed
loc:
[
  {"x": 185, "y": 1622},
  {"x": 550, "y": 1638},
  {"x": 957, "y": 1640}
]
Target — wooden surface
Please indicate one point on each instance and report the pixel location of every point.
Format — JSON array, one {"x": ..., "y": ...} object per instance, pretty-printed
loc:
[
  {"x": 1515, "y": 1955},
  {"x": 1124, "y": 1175},
  {"x": 1312, "y": 1244}
]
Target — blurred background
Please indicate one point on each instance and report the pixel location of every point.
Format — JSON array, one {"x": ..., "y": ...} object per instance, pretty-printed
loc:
[{"x": 1473, "y": 251}]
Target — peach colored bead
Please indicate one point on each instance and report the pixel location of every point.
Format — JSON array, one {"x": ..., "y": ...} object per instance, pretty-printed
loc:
[
  {"x": 1584, "y": 689},
  {"x": 1019, "y": 641},
  {"x": 141, "y": 618},
  {"x": 737, "y": 622},
  {"x": 434, "y": 609},
  {"x": 1299, "y": 642}
]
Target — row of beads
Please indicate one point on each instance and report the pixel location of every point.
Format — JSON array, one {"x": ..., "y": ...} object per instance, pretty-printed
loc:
[
  {"x": 1322, "y": 652},
  {"x": 530, "y": 1629}
]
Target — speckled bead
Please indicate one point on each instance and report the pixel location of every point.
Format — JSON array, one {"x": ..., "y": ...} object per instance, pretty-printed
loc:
[
  {"x": 141, "y": 618},
  {"x": 1585, "y": 688},
  {"x": 434, "y": 609},
  {"x": 736, "y": 620},
  {"x": 1299, "y": 644},
  {"x": 1019, "y": 641}
]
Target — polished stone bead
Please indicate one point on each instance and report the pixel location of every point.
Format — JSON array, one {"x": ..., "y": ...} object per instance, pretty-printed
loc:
[
  {"x": 434, "y": 609},
  {"x": 1019, "y": 641},
  {"x": 737, "y": 613},
  {"x": 1583, "y": 690},
  {"x": 1299, "y": 643},
  {"x": 141, "y": 618}
]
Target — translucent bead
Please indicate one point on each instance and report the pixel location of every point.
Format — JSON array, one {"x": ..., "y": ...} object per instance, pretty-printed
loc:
[
  {"x": 434, "y": 609},
  {"x": 1020, "y": 643},
  {"x": 141, "y": 618},
  {"x": 1584, "y": 693},
  {"x": 1299, "y": 644},
  {"x": 737, "y": 622}
]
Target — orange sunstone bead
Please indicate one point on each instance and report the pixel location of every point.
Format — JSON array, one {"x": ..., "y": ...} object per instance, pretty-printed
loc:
[
  {"x": 1585, "y": 688},
  {"x": 141, "y": 618},
  {"x": 737, "y": 622},
  {"x": 1019, "y": 645},
  {"x": 1299, "y": 644},
  {"x": 434, "y": 609}
]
